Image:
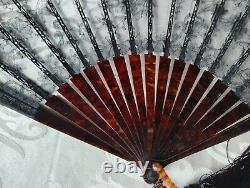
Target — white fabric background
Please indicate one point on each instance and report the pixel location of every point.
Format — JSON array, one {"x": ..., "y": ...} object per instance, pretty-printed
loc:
[{"x": 35, "y": 156}]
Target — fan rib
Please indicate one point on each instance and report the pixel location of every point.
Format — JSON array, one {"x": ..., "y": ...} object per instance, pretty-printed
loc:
[
  {"x": 148, "y": 75},
  {"x": 150, "y": 47},
  {"x": 157, "y": 65},
  {"x": 71, "y": 39},
  {"x": 30, "y": 56},
  {"x": 42, "y": 33},
  {"x": 24, "y": 80},
  {"x": 247, "y": 117},
  {"x": 89, "y": 30},
  {"x": 169, "y": 29},
  {"x": 170, "y": 72},
  {"x": 236, "y": 28},
  {"x": 131, "y": 31},
  {"x": 218, "y": 12},
  {"x": 88, "y": 94},
  {"x": 11, "y": 101},
  {"x": 202, "y": 87},
  {"x": 110, "y": 28},
  {"x": 150, "y": 66},
  {"x": 167, "y": 65},
  {"x": 189, "y": 31}
]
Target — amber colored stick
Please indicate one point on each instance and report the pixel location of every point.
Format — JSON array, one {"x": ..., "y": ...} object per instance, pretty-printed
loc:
[{"x": 163, "y": 175}]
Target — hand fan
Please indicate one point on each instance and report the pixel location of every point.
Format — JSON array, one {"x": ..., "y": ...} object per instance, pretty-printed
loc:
[{"x": 139, "y": 105}]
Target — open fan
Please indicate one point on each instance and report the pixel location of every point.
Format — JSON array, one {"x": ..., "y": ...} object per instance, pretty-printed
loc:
[{"x": 141, "y": 106}]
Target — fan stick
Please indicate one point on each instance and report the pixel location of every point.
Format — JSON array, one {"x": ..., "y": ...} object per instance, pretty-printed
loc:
[
  {"x": 42, "y": 33},
  {"x": 196, "y": 98},
  {"x": 184, "y": 86},
  {"x": 81, "y": 83},
  {"x": 229, "y": 100},
  {"x": 136, "y": 71},
  {"x": 150, "y": 66},
  {"x": 59, "y": 104},
  {"x": 84, "y": 107},
  {"x": 234, "y": 123},
  {"x": 95, "y": 100},
  {"x": 237, "y": 26},
  {"x": 72, "y": 41},
  {"x": 30, "y": 56},
  {"x": 189, "y": 31},
  {"x": 164, "y": 66},
  {"x": 19, "y": 104},
  {"x": 196, "y": 103},
  {"x": 110, "y": 28},
  {"x": 57, "y": 121},
  {"x": 220, "y": 105},
  {"x": 165, "y": 89},
  {"x": 238, "y": 128},
  {"x": 179, "y": 103},
  {"x": 170, "y": 27},
  {"x": 89, "y": 30},
  {"x": 207, "y": 101},
  {"x": 210, "y": 100},
  {"x": 218, "y": 12},
  {"x": 122, "y": 72},
  {"x": 195, "y": 84},
  {"x": 174, "y": 82},
  {"x": 238, "y": 103},
  {"x": 106, "y": 96},
  {"x": 205, "y": 84},
  {"x": 231, "y": 117},
  {"x": 108, "y": 74},
  {"x": 116, "y": 129}
]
